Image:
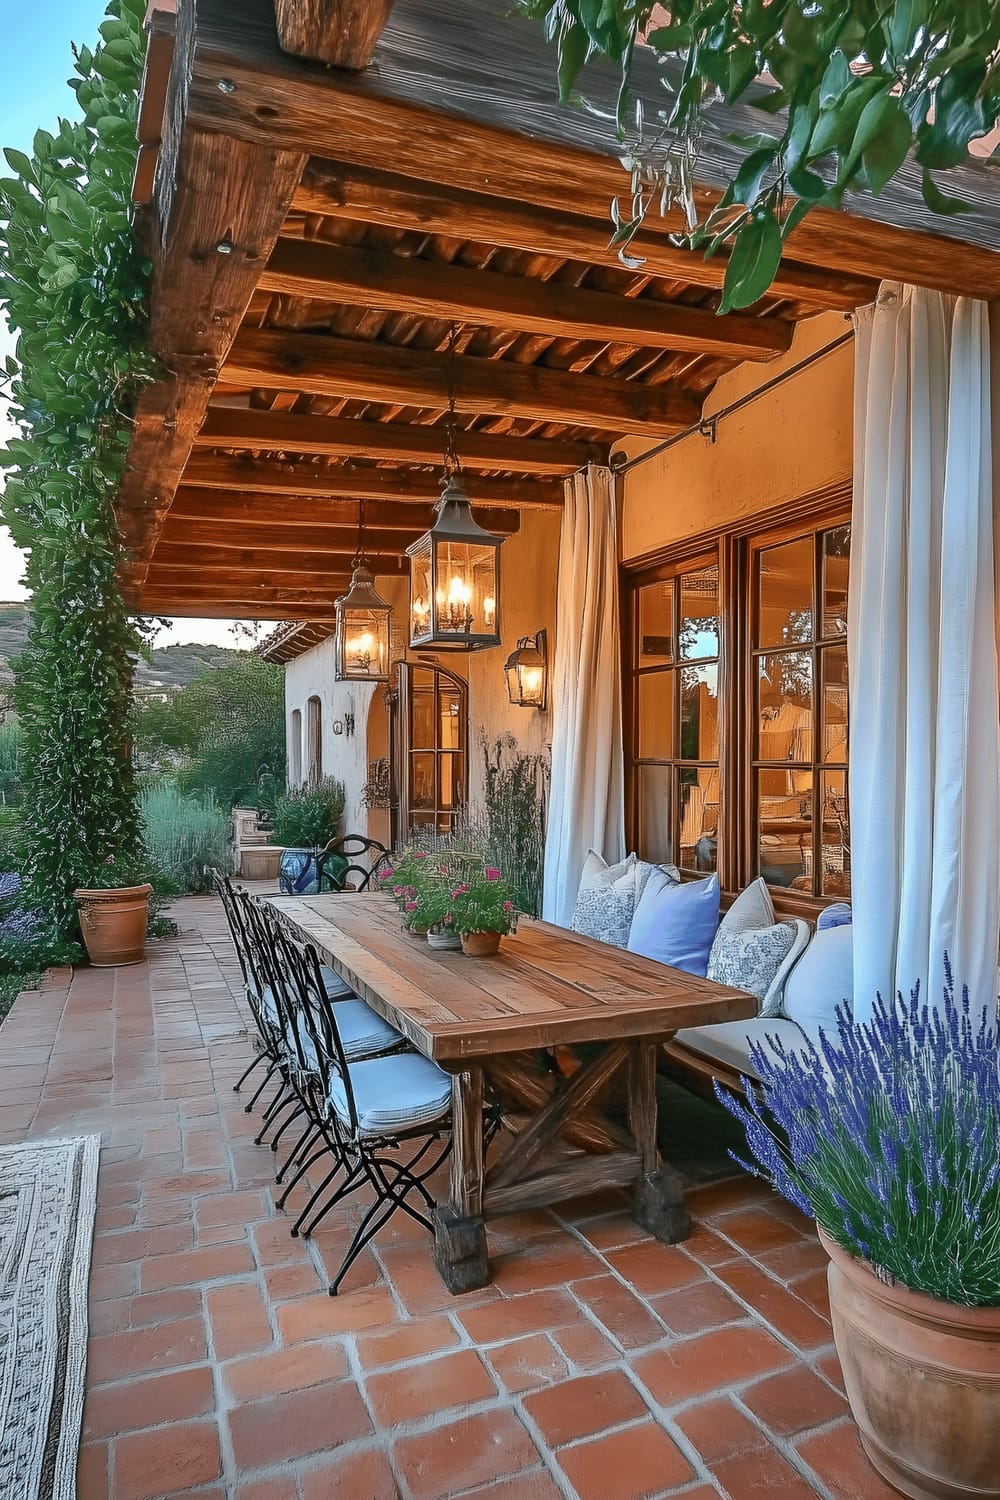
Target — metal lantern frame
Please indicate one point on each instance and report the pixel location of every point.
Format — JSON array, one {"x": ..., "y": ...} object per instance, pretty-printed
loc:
[
  {"x": 531, "y": 655},
  {"x": 362, "y": 598},
  {"x": 454, "y": 525}
]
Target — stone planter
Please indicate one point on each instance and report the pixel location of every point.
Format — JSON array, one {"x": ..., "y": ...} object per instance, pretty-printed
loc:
[
  {"x": 923, "y": 1380},
  {"x": 480, "y": 944},
  {"x": 113, "y": 924},
  {"x": 260, "y": 862}
]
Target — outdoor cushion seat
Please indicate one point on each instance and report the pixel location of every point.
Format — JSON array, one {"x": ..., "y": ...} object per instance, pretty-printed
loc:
[
  {"x": 336, "y": 989},
  {"x": 363, "y": 1033},
  {"x": 393, "y": 1094},
  {"x": 729, "y": 1043}
]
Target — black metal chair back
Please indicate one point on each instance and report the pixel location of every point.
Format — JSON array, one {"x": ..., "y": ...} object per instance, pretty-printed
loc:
[{"x": 364, "y": 857}]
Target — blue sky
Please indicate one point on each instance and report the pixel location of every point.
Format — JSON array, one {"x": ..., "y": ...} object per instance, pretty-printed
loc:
[{"x": 37, "y": 59}]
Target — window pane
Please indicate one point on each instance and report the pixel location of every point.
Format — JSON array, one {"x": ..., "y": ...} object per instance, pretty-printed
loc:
[
  {"x": 785, "y": 706},
  {"x": 422, "y": 780},
  {"x": 835, "y": 876},
  {"x": 450, "y": 771},
  {"x": 450, "y": 710},
  {"x": 785, "y": 607},
  {"x": 784, "y": 828},
  {"x": 699, "y": 602},
  {"x": 699, "y": 809},
  {"x": 699, "y": 713},
  {"x": 656, "y": 624},
  {"x": 422, "y": 714},
  {"x": 836, "y": 558},
  {"x": 656, "y": 716},
  {"x": 834, "y": 668},
  {"x": 655, "y": 820}
]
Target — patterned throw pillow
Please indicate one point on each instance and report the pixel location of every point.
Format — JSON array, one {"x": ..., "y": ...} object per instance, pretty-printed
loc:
[
  {"x": 605, "y": 912},
  {"x": 751, "y": 960}
]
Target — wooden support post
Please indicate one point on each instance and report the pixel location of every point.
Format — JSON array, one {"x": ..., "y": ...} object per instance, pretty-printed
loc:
[
  {"x": 659, "y": 1196},
  {"x": 459, "y": 1228}
]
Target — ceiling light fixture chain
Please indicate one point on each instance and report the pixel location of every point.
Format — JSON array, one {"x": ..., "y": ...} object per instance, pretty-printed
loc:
[
  {"x": 359, "y": 551},
  {"x": 452, "y": 462}
]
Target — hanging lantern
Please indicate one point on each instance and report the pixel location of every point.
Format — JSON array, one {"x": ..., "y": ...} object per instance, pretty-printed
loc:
[
  {"x": 455, "y": 579},
  {"x": 362, "y": 633},
  {"x": 527, "y": 671}
]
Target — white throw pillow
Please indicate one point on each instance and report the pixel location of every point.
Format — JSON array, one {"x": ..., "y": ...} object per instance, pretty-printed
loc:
[
  {"x": 597, "y": 871},
  {"x": 752, "y": 908},
  {"x": 609, "y": 894},
  {"x": 822, "y": 979},
  {"x": 758, "y": 959}
]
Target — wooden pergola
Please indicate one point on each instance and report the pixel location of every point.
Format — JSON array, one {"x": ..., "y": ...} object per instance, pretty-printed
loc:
[{"x": 331, "y": 191}]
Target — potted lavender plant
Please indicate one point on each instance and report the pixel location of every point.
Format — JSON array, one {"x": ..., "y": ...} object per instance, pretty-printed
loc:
[{"x": 889, "y": 1136}]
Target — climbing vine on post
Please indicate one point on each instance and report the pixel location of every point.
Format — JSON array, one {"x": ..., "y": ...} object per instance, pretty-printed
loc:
[
  {"x": 851, "y": 89},
  {"x": 73, "y": 288}
]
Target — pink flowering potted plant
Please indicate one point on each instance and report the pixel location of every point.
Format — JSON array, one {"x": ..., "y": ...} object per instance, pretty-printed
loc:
[
  {"x": 404, "y": 881},
  {"x": 482, "y": 910}
]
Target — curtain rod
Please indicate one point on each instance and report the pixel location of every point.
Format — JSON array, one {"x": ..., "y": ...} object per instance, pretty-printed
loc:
[{"x": 707, "y": 425}]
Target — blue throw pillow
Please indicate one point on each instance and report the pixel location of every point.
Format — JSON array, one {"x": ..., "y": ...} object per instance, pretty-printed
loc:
[
  {"x": 837, "y": 915},
  {"x": 675, "y": 924}
]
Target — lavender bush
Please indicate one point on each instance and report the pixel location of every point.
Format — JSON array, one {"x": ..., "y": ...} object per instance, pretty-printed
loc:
[{"x": 889, "y": 1136}]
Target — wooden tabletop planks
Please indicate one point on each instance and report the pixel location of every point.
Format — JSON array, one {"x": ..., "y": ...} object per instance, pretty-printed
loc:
[{"x": 546, "y": 985}]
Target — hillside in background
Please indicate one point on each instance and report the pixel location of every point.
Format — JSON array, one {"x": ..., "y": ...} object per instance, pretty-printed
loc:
[{"x": 171, "y": 666}]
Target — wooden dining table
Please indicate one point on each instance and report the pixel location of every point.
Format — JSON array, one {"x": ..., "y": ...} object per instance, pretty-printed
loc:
[{"x": 487, "y": 1020}]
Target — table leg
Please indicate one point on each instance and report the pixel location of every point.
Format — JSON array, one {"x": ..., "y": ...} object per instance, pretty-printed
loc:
[
  {"x": 659, "y": 1196},
  {"x": 459, "y": 1227}
]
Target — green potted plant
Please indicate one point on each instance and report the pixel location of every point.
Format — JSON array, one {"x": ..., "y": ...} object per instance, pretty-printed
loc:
[
  {"x": 482, "y": 909},
  {"x": 889, "y": 1137},
  {"x": 304, "y": 821}
]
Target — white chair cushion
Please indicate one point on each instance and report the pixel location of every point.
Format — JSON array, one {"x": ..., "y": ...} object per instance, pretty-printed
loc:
[
  {"x": 336, "y": 989},
  {"x": 393, "y": 1093},
  {"x": 363, "y": 1033},
  {"x": 822, "y": 979},
  {"x": 729, "y": 1043}
]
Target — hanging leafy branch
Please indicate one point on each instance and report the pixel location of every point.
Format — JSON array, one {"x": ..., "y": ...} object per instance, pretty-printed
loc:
[
  {"x": 852, "y": 86},
  {"x": 73, "y": 288}
]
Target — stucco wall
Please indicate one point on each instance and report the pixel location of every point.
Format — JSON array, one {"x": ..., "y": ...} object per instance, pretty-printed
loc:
[
  {"x": 344, "y": 756},
  {"x": 787, "y": 443}
]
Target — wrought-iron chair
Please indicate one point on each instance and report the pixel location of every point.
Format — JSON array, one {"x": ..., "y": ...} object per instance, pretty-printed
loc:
[
  {"x": 349, "y": 862},
  {"x": 268, "y": 1041}
]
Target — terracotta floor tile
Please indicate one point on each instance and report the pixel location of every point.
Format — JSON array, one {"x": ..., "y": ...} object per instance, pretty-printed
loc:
[
  {"x": 117, "y": 1355},
  {"x": 549, "y": 1263},
  {"x": 275, "y": 1372},
  {"x": 406, "y": 1341},
  {"x": 162, "y": 1307},
  {"x": 92, "y": 1472},
  {"x": 526, "y": 1363},
  {"x": 794, "y": 1401},
  {"x": 829, "y": 1365},
  {"x": 717, "y": 1359},
  {"x": 839, "y": 1460},
  {"x": 628, "y": 1320},
  {"x": 165, "y": 1460},
  {"x": 699, "y": 1307},
  {"x": 363, "y": 1475},
  {"x": 793, "y": 1319},
  {"x": 813, "y": 1289},
  {"x": 267, "y": 1433},
  {"x": 285, "y": 1282},
  {"x": 529, "y": 1313},
  {"x": 148, "y": 1401},
  {"x": 460, "y": 1455},
  {"x": 718, "y": 1430},
  {"x": 585, "y": 1346},
  {"x": 316, "y": 1317},
  {"x": 652, "y": 1268},
  {"x": 613, "y": 1231},
  {"x": 210, "y": 1263},
  {"x": 433, "y": 1385},
  {"x": 628, "y": 1465},
  {"x": 584, "y": 1406},
  {"x": 762, "y": 1473},
  {"x": 757, "y": 1230},
  {"x": 536, "y": 1484},
  {"x": 238, "y": 1318},
  {"x": 283, "y": 1487}
]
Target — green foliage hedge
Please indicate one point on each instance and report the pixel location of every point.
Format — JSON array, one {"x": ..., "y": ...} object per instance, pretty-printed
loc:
[
  {"x": 186, "y": 836},
  {"x": 309, "y": 816},
  {"x": 73, "y": 287}
]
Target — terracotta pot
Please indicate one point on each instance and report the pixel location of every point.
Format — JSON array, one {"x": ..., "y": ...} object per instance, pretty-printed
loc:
[
  {"x": 480, "y": 944},
  {"x": 923, "y": 1380},
  {"x": 113, "y": 924}
]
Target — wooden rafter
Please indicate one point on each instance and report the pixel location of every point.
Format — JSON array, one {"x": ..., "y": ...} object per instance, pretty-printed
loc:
[
  {"x": 254, "y": 429},
  {"x": 298, "y": 540},
  {"x": 268, "y": 573},
  {"x": 382, "y": 517},
  {"x": 340, "y": 33},
  {"x": 217, "y": 604},
  {"x": 180, "y": 561},
  {"x": 431, "y": 289},
  {"x": 329, "y": 366},
  {"x": 339, "y": 191}
]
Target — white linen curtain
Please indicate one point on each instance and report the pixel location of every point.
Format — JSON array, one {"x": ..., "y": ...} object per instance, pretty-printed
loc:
[
  {"x": 924, "y": 743},
  {"x": 586, "y": 804}
]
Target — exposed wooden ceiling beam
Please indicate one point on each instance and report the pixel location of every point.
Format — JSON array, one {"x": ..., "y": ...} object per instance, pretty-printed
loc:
[
  {"x": 297, "y": 540},
  {"x": 435, "y": 289},
  {"x": 340, "y": 33},
  {"x": 219, "y": 472},
  {"x": 256, "y": 430},
  {"x": 195, "y": 554},
  {"x": 382, "y": 517},
  {"x": 338, "y": 190},
  {"x": 268, "y": 572},
  {"x": 328, "y": 366},
  {"x": 281, "y": 101},
  {"x": 211, "y": 604}
]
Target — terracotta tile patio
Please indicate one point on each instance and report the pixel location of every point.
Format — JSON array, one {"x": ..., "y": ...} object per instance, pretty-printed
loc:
[{"x": 599, "y": 1364}]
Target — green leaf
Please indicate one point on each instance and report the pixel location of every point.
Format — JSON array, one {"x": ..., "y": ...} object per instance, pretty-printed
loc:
[
  {"x": 574, "y": 48},
  {"x": 958, "y": 117},
  {"x": 750, "y": 177},
  {"x": 754, "y": 262},
  {"x": 938, "y": 202},
  {"x": 21, "y": 164},
  {"x": 886, "y": 152}
]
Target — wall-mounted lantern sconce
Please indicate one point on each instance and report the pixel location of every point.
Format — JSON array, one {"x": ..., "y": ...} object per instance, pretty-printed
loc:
[{"x": 527, "y": 671}]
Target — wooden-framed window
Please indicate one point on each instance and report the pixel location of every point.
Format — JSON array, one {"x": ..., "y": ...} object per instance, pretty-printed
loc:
[
  {"x": 295, "y": 748},
  {"x": 735, "y": 727},
  {"x": 314, "y": 740},
  {"x": 432, "y": 739},
  {"x": 673, "y": 742}
]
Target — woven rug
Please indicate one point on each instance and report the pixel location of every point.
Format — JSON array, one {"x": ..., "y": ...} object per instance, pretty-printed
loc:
[{"x": 48, "y": 1198}]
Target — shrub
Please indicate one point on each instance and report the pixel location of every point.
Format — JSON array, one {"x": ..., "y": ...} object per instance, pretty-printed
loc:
[
  {"x": 309, "y": 816},
  {"x": 11, "y": 789},
  {"x": 186, "y": 836}
]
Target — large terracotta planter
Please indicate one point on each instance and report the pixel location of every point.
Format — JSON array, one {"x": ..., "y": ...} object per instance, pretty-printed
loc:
[
  {"x": 480, "y": 944},
  {"x": 923, "y": 1380},
  {"x": 113, "y": 924}
]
